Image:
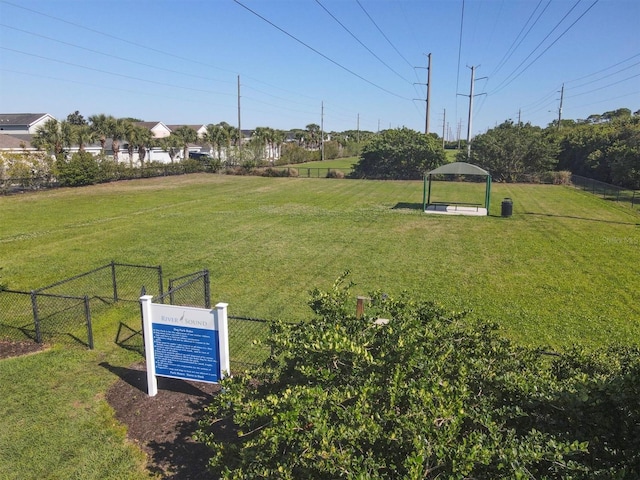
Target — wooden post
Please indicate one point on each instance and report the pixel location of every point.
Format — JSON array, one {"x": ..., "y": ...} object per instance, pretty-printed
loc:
[{"x": 360, "y": 307}]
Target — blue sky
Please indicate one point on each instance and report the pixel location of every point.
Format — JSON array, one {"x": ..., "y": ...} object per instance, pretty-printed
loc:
[{"x": 320, "y": 61}]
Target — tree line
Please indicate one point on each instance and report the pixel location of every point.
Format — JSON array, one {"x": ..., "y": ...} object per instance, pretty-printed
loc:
[{"x": 604, "y": 147}]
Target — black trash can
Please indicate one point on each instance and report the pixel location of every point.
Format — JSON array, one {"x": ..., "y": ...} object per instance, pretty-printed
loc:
[{"x": 507, "y": 207}]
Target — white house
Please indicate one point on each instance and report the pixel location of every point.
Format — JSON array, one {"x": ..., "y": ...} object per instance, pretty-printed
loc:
[
  {"x": 200, "y": 129},
  {"x": 158, "y": 129},
  {"x": 22, "y": 123}
]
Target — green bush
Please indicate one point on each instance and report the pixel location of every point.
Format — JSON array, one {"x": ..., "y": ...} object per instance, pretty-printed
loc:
[
  {"x": 279, "y": 172},
  {"x": 293, "y": 153},
  {"x": 399, "y": 154},
  {"x": 423, "y": 394},
  {"x": 335, "y": 174},
  {"x": 81, "y": 169}
]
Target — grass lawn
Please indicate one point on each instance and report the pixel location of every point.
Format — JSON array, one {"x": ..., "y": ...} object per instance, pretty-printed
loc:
[
  {"x": 341, "y": 163},
  {"x": 562, "y": 270}
]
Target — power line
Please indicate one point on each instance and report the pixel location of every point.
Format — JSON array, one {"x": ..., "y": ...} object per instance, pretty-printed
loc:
[
  {"x": 120, "y": 39},
  {"x": 546, "y": 49},
  {"x": 605, "y": 86},
  {"x": 135, "y": 62},
  {"x": 136, "y": 44},
  {"x": 604, "y": 69},
  {"x": 112, "y": 73},
  {"x": 459, "y": 55},
  {"x": 513, "y": 48},
  {"x": 318, "y": 52},
  {"x": 607, "y": 76},
  {"x": 382, "y": 33},
  {"x": 360, "y": 42}
]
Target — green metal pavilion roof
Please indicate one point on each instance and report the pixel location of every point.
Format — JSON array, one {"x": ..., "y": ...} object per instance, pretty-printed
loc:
[{"x": 459, "y": 168}]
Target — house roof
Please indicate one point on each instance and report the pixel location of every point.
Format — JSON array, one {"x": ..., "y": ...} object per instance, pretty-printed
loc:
[
  {"x": 14, "y": 141},
  {"x": 458, "y": 168},
  {"x": 20, "y": 119},
  {"x": 149, "y": 125},
  {"x": 194, "y": 127}
]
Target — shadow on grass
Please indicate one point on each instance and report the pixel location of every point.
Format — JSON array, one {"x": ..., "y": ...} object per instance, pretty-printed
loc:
[
  {"x": 581, "y": 218},
  {"x": 130, "y": 338},
  {"x": 407, "y": 206}
]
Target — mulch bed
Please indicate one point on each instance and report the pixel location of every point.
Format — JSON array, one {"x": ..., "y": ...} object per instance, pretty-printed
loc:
[
  {"x": 10, "y": 349},
  {"x": 163, "y": 425}
]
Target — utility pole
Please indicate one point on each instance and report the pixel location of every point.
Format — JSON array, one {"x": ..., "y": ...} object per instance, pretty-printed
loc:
[
  {"x": 473, "y": 72},
  {"x": 470, "y": 123},
  {"x": 322, "y": 130},
  {"x": 560, "y": 109},
  {"x": 444, "y": 122},
  {"x": 519, "y": 117},
  {"x": 428, "y": 99},
  {"x": 459, "y": 129},
  {"x": 426, "y": 131},
  {"x": 239, "y": 124},
  {"x": 358, "y": 130}
]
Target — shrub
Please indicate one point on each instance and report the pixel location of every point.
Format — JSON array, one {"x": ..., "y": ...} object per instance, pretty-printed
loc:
[
  {"x": 81, "y": 169},
  {"x": 331, "y": 150},
  {"x": 279, "y": 172},
  {"x": 424, "y": 394},
  {"x": 335, "y": 174}
]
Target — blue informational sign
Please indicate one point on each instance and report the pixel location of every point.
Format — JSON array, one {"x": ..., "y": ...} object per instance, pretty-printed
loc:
[
  {"x": 186, "y": 353},
  {"x": 184, "y": 342}
]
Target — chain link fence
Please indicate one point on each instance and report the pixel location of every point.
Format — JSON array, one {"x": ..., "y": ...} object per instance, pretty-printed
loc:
[
  {"x": 607, "y": 191},
  {"x": 61, "y": 312}
]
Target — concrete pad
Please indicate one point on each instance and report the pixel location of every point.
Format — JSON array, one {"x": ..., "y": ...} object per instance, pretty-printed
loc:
[{"x": 443, "y": 209}]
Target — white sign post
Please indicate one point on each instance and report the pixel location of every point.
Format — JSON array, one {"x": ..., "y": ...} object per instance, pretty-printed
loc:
[{"x": 184, "y": 342}]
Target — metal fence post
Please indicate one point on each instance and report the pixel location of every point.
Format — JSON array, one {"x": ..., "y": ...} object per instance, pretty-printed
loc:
[
  {"x": 114, "y": 281},
  {"x": 207, "y": 290},
  {"x": 160, "y": 289},
  {"x": 87, "y": 313},
  {"x": 170, "y": 292},
  {"x": 36, "y": 320}
]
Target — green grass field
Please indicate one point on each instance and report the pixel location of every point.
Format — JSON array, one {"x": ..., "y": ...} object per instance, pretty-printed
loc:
[
  {"x": 562, "y": 270},
  {"x": 341, "y": 163}
]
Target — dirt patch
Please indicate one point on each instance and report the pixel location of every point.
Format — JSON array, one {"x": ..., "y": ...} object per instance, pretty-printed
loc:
[
  {"x": 163, "y": 425},
  {"x": 15, "y": 349}
]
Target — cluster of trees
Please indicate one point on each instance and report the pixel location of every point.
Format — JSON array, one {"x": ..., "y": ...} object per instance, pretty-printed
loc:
[
  {"x": 399, "y": 154},
  {"x": 423, "y": 394},
  {"x": 604, "y": 147},
  {"x": 58, "y": 137}
]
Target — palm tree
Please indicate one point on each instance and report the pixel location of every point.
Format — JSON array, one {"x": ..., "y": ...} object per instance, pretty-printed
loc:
[
  {"x": 170, "y": 144},
  {"x": 137, "y": 137},
  {"x": 262, "y": 135},
  {"x": 186, "y": 135},
  {"x": 50, "y": 137},
  {"x": 100, "y": 126},
  {"x": 118, "y": 128},
  {"x": 313, "y": 131},
  {"x": 83, "y": 134},
  {"x": 215, "y": 137},
  {"x": 279, "y": 137}
]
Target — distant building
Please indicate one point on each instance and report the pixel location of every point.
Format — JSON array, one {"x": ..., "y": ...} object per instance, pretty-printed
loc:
[{"x": 22, "y": 123}]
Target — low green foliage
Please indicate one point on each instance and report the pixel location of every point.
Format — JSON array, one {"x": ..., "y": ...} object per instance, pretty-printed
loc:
[
  {"x": 399, "y": 154},
  {"x": 423, "y": 394},
  {"x": 81, "y": 169}
]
